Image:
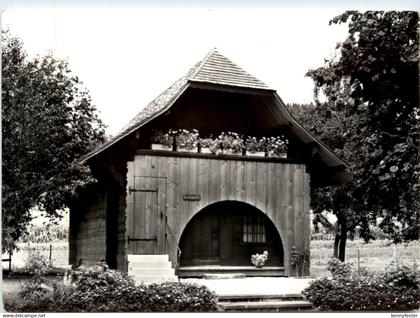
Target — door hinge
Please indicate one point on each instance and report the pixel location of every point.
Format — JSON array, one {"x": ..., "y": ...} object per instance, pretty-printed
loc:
[
  {"x": 129, "y": 239},
  {"x": 131, "y": 190}
]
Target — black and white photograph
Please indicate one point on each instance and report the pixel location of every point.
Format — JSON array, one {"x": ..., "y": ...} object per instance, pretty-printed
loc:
[{"x": 220, "y": 158}]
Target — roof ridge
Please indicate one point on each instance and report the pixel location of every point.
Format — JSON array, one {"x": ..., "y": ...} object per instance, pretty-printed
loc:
[
  {"x": 218, "y": 69},
  {"x": 202, "y": 63}
]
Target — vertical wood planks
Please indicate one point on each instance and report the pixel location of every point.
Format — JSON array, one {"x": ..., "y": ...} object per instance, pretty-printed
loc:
[
  {"x": 278, "y": 189},
  {"x": 297, "y": 207},
  {"x": 250, "y": 175},
  {"x": 261, "y": 186},
  {"x": 203, "y": 172},
  {"x": 214, "y": 180},
  {"x": 161, "y": 202},
  {"x": 240, "y": 180},
  {"x": 138, "y": 215},
  {"x": 172, "y": 173},
  {"x": 289, "y": 207},
  {"x": 223, "y": 168},
  {"x": 182, "y": 212},
  {"x": 269, "y": 186},
  {"x": 231, "y": 188},
  {"x": 192, "y": 187}
]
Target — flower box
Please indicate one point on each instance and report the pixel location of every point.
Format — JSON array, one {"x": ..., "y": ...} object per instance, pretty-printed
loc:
[
  {"x": 161, "y": 147},
  {"x": 276, "y": 155},
  {"x": 231, "y": 152},
  {"x": 184, "y": 149},
  {"x": 206, "y": 150},
  {"x": 255, "y": 154}
]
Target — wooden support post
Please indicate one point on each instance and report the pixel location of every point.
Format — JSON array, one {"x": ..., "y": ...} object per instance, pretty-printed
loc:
[{"x": 50, "y": 258}]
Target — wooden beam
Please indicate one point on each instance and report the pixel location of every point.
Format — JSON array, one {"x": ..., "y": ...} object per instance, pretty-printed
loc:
[{"x": 179, "y": 154}]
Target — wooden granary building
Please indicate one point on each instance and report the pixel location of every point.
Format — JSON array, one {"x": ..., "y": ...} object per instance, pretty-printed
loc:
[{"x": 204, "y": 212}]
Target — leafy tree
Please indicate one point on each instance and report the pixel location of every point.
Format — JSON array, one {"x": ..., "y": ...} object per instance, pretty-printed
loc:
[
  {"x": 332, "y": 127},
  {"x": 372, "y": 103},
  {"x": 48, "y": 122}
]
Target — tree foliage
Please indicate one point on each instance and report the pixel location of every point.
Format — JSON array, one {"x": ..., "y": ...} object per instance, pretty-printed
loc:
[
  {"x": 48, "y": 122},
  {"x": 333, "y": 127},
  {"x": 370, "y": 114}
]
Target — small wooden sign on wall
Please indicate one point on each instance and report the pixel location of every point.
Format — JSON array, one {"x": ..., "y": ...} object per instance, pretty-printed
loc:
[{"x": 192, "y": 197}]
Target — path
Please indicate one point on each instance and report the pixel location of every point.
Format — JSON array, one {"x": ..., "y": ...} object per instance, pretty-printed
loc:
[{"x": 254, "y": 285}]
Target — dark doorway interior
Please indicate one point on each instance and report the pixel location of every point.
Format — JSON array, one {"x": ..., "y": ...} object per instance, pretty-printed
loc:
[{"x": 228, "y": 233}]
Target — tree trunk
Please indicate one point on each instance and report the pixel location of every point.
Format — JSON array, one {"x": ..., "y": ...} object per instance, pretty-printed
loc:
[
  {"x": 342, "y": 245},
  {"x": 336, "y": 243}
]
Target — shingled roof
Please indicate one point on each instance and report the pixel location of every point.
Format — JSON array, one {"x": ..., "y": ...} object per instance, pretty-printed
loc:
[
  {"x": 217, "y": 69},
  {"x": 213, "y": 69}
]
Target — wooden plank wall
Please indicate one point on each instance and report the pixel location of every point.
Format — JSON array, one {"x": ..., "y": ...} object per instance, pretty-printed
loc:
[
  {"x": 91, "y": 234},
  {"x": 280, "y": 190}
]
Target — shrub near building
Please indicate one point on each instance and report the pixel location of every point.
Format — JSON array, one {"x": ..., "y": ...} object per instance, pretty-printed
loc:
[
  {"x": 395, "y": 289},
  {"x": 99, "y": 289}
]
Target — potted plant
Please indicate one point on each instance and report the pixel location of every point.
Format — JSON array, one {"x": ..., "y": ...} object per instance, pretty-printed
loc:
[
  {"x": 162, "y": 141},
  {"x": 254, "y": 147},
  {"x": 259, "y": 259},
  {"x": 230, "y": 143},
  {"x": 276, "y": 146},
  {"x": 186, "y": 140},
  {"x": 208, "y": 145},
  {"x": 296, "y": 260}
]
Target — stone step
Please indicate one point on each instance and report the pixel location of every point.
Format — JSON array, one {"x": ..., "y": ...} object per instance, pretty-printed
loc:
[
  {"x": 254, "y": 297},
  {"x": 266, "y": 305},
  {"x": 224, "y": 276},
  {"x": 151, "y": 268},
  {"x": 135, "y": 264},
  {"x": 140, "y": 271},
  {"x": 248, "y": 271},
  {"x": 148, "y": 258}
]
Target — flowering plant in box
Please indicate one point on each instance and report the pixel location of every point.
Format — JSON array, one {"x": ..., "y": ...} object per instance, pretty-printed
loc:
[
  {"x": 163, "y": 139},
  {"x": 254, "y": 144},
  {"x": 276, "y": 146},
  {"x": 259, "y": 259},
  {"x": 209, "y": 143},
  {"x": 230, "y": 141},
  {"x": 185, "y": 138}
]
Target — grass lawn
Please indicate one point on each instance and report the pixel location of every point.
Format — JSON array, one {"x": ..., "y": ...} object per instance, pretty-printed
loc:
[
  {"x": 375, "y": 255},
  {"x": 11, "y": 286},
  {"x": 59, "y": 253}
]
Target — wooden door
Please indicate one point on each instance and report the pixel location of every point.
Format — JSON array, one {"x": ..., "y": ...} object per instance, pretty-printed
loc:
[
  {"x": 147, "y": 220},
  {"x": 201, "y": 244},
  {"x": 207, "y": 239}
]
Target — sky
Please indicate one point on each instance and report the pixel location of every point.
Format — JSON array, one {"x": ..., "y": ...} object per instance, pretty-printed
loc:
[{"x": 127, "y": 55}]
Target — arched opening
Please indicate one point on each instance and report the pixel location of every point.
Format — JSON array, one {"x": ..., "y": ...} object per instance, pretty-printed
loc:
[{"x": 227, "y": 233}]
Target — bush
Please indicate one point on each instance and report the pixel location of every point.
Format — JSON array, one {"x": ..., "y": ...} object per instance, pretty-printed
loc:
[
  {"x": 339, "y": 268},
  {"x": 395, "y": 289},
  {"x": 36, "y": 263},
  {"x": 95, "y": 288},
  {"x": 176, "y": 296},
  {"x": 403, "y": 276},
  {"x": 37, "y": 266},
  {"x": 99, "y": 289}
]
